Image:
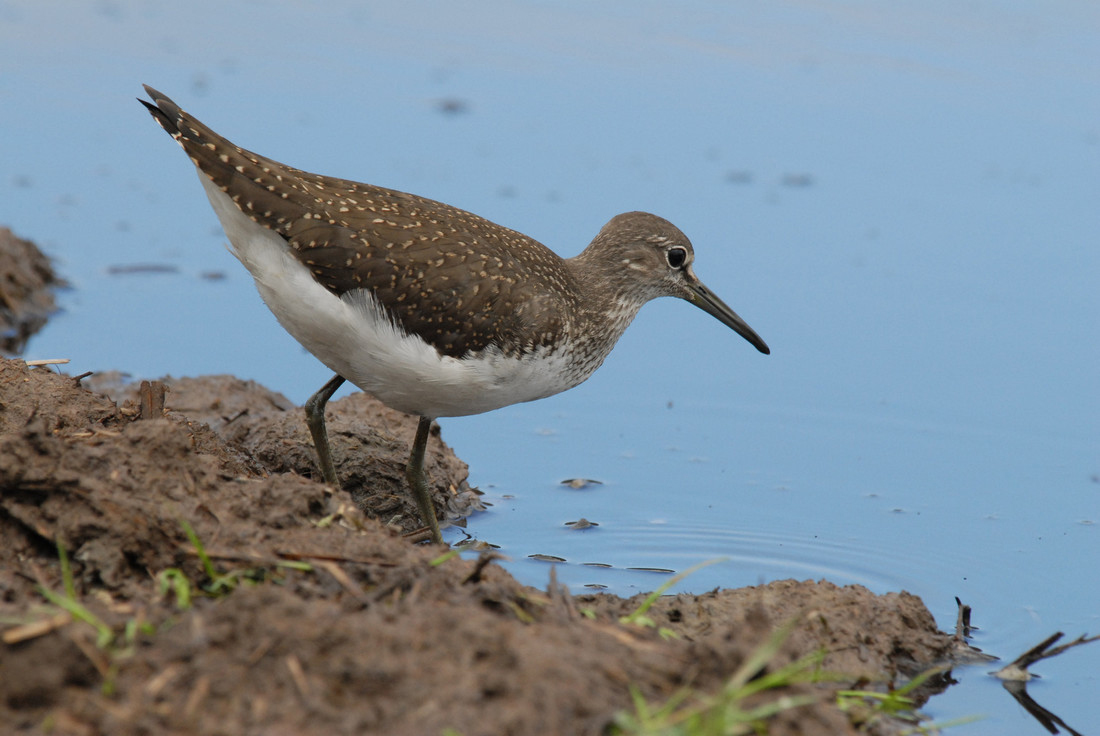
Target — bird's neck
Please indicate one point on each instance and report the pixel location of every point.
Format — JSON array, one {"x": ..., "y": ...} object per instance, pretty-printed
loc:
[{"x": 606, "y": 305}]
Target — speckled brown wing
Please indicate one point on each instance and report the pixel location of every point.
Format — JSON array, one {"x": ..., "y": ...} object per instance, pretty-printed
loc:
[{"x": 458, "y": 281}]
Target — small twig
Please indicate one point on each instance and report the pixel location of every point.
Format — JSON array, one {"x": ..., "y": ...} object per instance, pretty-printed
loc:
[
  {"x": 342, "y": 578},
  {"x": 95, "y": 655},
  {"x": 964, "y": 652},
  {"x": 36, "y": 629},
  {"x": 196, "y": 697},
  {"x": 161, "y": 680},
  {"x": 47, "y": 361},
  {"x": 261, "y": 650},
  {"x": 483, "y": 561},
  {"x": 962, "y": 621},
  {"x": 1017, "y": 670},
  {"x": 418, "y": 535},
  {"x": 306, "y": 556},
  {"x": 298, "y": 675}
]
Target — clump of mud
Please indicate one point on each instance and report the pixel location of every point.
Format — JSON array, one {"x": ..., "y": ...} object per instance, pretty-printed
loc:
[{"x": 308, "y": 611}]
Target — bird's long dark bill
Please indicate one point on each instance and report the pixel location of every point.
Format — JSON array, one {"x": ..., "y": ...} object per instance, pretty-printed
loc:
[{"x": 705, "y": 299}]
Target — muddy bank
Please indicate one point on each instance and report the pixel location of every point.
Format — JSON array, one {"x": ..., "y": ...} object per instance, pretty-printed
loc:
[
  {"x": 27, "y": 280},
  {"x": 311, "y": 613}
]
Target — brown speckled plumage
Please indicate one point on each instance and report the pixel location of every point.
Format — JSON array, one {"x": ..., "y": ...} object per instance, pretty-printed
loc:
[{"x": 456, "y": 279}]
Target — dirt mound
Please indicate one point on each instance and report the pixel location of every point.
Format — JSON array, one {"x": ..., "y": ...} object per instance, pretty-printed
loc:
[{"x": 302, "y": 614}]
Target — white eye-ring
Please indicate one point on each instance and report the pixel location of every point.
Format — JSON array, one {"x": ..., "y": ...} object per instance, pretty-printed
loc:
[{"x": 676, "y": 257}]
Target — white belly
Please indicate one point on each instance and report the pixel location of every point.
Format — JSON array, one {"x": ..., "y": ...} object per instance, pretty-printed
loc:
[{"x": 355, "y": 338}]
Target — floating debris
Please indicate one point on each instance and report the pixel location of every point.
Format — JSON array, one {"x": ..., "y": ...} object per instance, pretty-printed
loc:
[
  {"x": 581, "y": 483},
  {"x": 131, "y": 268},
  {"x": 452, "y": 106},
  {"x": 797, "y": 180},
  {"x": 581, "y": 523},
  {"x": 476, "y": 545},
  {"x": 1017, "y": 671},
  {"x": 546, "y": 558}
]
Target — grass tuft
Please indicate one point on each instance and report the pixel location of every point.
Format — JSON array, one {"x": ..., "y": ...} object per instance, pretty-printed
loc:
[
  {"x": 639, "y": 616},
  {"x": 728, "y": 712}
]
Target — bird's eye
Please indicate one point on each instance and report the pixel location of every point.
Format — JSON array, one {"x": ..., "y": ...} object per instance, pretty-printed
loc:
[{"x": 676, "y": 257}]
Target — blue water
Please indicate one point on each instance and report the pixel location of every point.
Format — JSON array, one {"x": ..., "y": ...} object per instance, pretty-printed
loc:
[{"x": 903, "y": 199}]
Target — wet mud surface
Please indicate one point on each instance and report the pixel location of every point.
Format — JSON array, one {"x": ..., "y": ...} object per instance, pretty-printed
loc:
[{"x": 312, "y": 614}]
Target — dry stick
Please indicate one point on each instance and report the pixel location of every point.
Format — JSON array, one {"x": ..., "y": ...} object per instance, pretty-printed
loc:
[
  {"x": 306, "y": 556},
  {"x": 962, "y": 621},
  {"x": 483, "y": 561},
  {"x": 152, "y": 399},
  {"x": 36, "y": 629},
  {"x": 1018, "y": 669},
  {"x": 298, "y": 675},
  {"x": 964, "y": 652}
]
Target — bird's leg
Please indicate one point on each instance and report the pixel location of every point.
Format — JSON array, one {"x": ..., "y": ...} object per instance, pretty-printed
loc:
[
  {"x": 315, "y": 418},
  {"x": 418, "y": 479}
]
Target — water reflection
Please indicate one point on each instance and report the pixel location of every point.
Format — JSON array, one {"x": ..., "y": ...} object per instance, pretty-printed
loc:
[{"x": 1046, "y": 719}]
